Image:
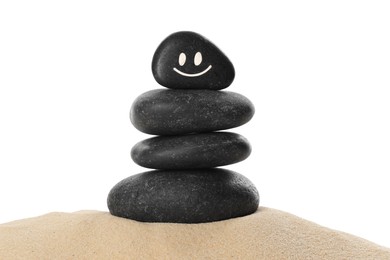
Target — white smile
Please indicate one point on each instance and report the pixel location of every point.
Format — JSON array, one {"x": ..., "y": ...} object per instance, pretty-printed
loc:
[{"x": 192, "y": 75}]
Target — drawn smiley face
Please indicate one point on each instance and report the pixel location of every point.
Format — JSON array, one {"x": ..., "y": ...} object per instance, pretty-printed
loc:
[{"x": 197, "y": 61}]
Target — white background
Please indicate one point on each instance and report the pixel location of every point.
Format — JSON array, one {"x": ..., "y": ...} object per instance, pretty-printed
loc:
[{"x": 317, "y": 72}]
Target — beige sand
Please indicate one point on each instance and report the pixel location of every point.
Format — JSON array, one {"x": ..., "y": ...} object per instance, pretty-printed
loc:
[{"x": 267, "y": 234}]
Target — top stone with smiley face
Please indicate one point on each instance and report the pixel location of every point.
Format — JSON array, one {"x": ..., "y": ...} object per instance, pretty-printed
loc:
[{"x": 187, "y": 60}]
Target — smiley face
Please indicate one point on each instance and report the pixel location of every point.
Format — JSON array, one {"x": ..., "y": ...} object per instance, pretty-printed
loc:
[
  {"x": 187, "y": 60},
  {"x": 197, "y": 61}
]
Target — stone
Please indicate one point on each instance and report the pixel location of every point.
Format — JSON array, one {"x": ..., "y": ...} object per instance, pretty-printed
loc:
[
  {"x": 192, "y": 151},
  {"x": 183, "y": 196},
  {"x": 187, "y": 60},
  {"x": 175, "y": 112}
]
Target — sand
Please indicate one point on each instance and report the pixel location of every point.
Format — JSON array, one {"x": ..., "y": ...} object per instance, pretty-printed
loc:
[{"x": 267, "y": 234}]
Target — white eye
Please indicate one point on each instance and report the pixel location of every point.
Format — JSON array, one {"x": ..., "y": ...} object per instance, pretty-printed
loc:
[
  {"x": 182, "y": 59},
  {"x": 198, "y": 58}
]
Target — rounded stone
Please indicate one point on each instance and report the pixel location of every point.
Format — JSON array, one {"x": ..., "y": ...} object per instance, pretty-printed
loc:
[
  {"x": 191, "y": 151},
  {"x": 175, "y": 112},
  {"x": 183, "y": 196},
  {"x": 187, "y": 60}
]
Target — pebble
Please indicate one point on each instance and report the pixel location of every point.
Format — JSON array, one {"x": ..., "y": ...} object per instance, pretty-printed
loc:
[
  {"x": 187, "y": 60},
  {"x": 192, "y": 151},
  {"x": 176, "y": 112},
  {"x": 183, "y": 196}
]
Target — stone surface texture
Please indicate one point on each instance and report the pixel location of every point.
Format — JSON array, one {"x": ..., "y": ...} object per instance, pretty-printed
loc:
[
  {"x": 175, "y": 112},
  {"x": 187, "y": 60},
  {"x": 179, "y": 196},
  {"x": 191, "y": 151}
]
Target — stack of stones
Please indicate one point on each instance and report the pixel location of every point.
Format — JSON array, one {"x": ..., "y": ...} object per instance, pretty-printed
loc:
[{"x": 186, "y": 186}]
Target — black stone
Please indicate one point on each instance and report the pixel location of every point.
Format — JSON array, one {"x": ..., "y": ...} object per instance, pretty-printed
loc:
[
  {"x": 192, "y": 151},
  {"x": 192, "y": 196},
  {"x": 175, "y": 112},
  {"x": 187, "y": 60}
]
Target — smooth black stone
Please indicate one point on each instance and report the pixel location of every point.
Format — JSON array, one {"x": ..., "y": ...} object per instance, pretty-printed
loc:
[
  {"x": 187, "y": 60},
  {"x": 175, "y": 112},
  {"x": 192, "y": 196},
  {"x": 192, "y": 151}
]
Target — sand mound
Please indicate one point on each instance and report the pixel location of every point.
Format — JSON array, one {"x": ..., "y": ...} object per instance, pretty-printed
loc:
[{"x": 266, "y": 234}]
